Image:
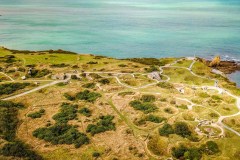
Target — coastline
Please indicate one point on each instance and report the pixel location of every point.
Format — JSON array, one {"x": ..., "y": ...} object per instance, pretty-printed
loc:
[{"x": 230, "y": 68}]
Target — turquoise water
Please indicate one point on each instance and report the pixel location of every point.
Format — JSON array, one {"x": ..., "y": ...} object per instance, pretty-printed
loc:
[{"x": 127, "y": 28}]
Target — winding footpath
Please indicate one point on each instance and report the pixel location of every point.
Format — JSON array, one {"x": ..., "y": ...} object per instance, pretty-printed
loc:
[{"x": 116, "y": 74}]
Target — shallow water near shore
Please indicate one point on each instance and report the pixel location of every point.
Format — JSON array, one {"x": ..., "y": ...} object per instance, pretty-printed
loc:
[
  {"x": 235, "y": 77},
  {"x": 122, "y": 29}
]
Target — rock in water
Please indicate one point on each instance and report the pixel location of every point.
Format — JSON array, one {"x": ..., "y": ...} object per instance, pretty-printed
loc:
[{"x": 215, "y": 62}]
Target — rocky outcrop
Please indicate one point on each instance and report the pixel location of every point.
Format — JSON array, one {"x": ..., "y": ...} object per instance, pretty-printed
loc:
[
  {"x": 226, "y": 67},
  {"x": 215, "y": 62}
]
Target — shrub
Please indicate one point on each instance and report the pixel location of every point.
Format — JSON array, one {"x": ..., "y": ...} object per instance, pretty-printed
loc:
[
  {"x": 91, "y": 62},
  {"x": 145, "y": 106},
  {"x": 126, "y": 93},
  {"x": 88, "y": 96},
  {"x": 69, "y": 97},
  {"x": 61, "y": 84},
  {"x": 96, "y": 154},
  {"x": 38, "y": 73},
  {"x": 8, "y": 125},
  {"x": 37, "y": 114},
  {"x": 74, "y": 77},
  {"x": 104, "y": 81},
  {"x": 122, "y": 65},
  {"x": 179, "y": 152},
  {"x": 183, "y": 106},
  {"x": 148, "y": 98},
  {"x": 148, "y": 61},
  {"x": 152, "y": 69},
  {"x": 187, "y": 153},
  {"x": 95, "y": 76},
  {"x": 62, "y": 133},
  {"x": 214, "y": 115},
  {"x": 166, "y": 130},
  {"x": 10, "y": 88},
  {"x": 165, "y": 85},
  {"x": 168, "y": 110},
  {"x": 154, "y": 119},
  {"x": 62, "y": 65},
  {"x": 182, "y": 129},
  {"x": 19, "y": 149},
  {"x": 104, "y": 124},
  {"x": 8, "y": 119},
  {"x": 210, "y": 148},
  {"x": 85, "y": 111},
  {"x": 67, "y": 112},
  {"x": 89, "y": 85}
]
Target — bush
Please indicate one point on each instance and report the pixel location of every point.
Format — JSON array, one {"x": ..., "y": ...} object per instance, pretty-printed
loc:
[
  {"x": 74, "y": 77},
  {"x": 19, "y": 149},
  {"x": 152, "y": 69},
  {"x": 69, "y": 97},
  {"x": 148, "y": 98},
  {"x": 88, "y": 96},
  {"x": 146, "y": 107},
  {"x": 38, "y": 73},
  {"x": 8, "y": 119},
  {"x": 8, "y": 125},
  {"x": 148, "y": 61},
  {"x": 214, "y": 115},
  {"x": 67, "y": 112},
  {"x": 126, "y": 93},
  {"x": 95, "y": 76},
  {"x": 168, "y": 110},
  {"x": 104, "y": 81},
  {"x": 179, "y": 152},
  {"x": 96, "y": 154},
  {"x": 183, "y": 152},
  {"x": 89, "y": 85},
  {"x": 210, "y": 148},
  {"x": 10, "y": 88},
  {"x": 37, "y": 114},
  {"x": 104, "y": 124},
  {"x": 85, "y": 111},
  {"x": 182, "y": 129},
  {"x": 165, "y": 85},
  {"x": 62, "y": 65},
  {"x": 166, "y": 130},
  {"x": 91, "y": 62},
  {"x": 62, "y": 134},
  {"x": 122, "y": 65},
  {"x": 154, "y": 119}
]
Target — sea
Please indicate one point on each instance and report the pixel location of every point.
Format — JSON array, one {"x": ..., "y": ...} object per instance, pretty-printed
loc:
[{"x": 126, "y": 28}]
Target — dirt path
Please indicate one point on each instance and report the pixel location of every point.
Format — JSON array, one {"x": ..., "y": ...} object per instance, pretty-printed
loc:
[{"x": 7, "y": 76}]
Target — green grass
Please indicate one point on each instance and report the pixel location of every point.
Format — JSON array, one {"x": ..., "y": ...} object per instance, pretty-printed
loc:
[
  {"x": 179, "y": 75},
  {"x": 183, "y": 63}
]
